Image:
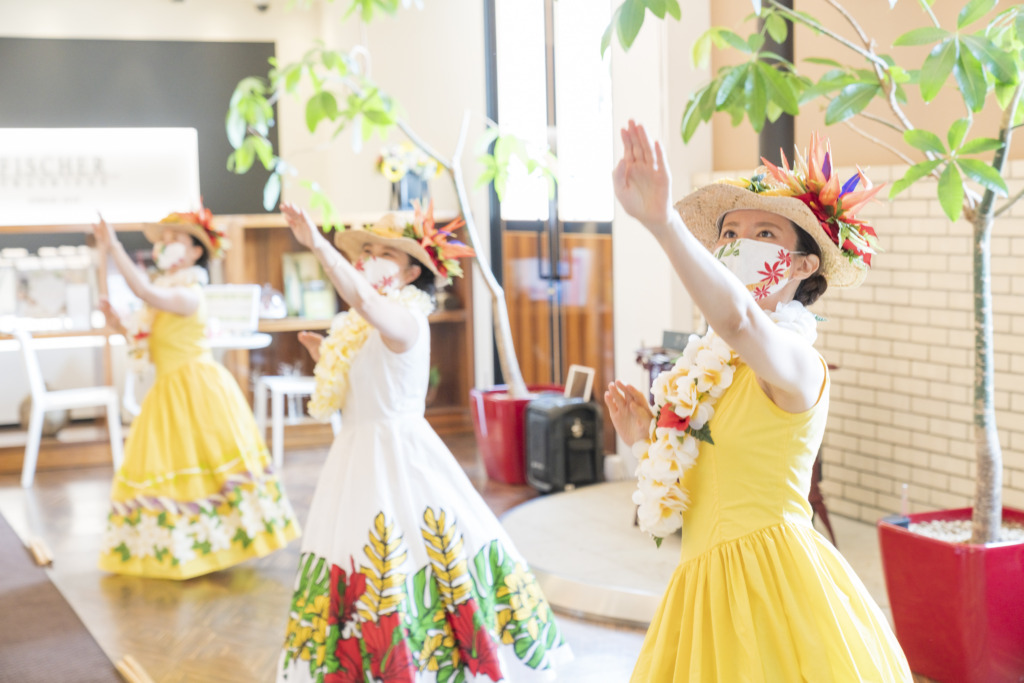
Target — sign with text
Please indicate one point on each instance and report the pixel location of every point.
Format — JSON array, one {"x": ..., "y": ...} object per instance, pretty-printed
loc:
[{"x": 63, "y": 176}]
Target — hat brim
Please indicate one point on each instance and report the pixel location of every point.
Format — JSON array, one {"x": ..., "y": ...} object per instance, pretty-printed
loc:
[
  {"x": 351, "y": 243},
  {"x": 154, "y": 232},
  {"x": 703, "y": 209}
]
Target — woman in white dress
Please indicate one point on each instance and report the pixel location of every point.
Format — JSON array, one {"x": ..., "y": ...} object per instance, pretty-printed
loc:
[{"x": 405, "y": 573}]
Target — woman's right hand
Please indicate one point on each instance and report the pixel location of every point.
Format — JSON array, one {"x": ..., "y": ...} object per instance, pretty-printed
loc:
[
  {"x": 630, "y": 412},
  {"x": 104, "y": 235},
  {"x": 643, "y": 184},
  {"x": 302, "y": 226}
]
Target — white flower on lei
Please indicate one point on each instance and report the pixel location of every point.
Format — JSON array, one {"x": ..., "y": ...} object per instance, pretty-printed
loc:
[
  {"x": 703, "y": 373},
  {"x": 659, "y": 506}
]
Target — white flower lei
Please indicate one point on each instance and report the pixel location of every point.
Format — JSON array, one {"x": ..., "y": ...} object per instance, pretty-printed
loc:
[
  {"x": 348, "y": 334},
  {"x": 684, "y": 398},
  {"x": 139, "y": 323}
]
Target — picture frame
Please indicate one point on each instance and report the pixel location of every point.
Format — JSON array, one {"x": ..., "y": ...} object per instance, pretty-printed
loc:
[{"x": 579, "y": 382}]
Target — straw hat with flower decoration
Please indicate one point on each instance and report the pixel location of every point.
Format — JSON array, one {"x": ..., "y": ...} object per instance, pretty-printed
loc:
[
  {"x": 434, "y": 247},
  {"x": 199, "y": 224},
  {"x": 810, "y": 195}
]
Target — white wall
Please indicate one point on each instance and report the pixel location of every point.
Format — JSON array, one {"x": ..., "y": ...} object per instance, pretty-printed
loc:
[
  {"x": 432, "y": 62},
  {"x": 651, "y": 83}
]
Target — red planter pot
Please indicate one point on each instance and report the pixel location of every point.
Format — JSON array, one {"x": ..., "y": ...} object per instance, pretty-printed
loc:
[
  {"x": 498, "y": 423},
  {"x": 958, "y": 608}
]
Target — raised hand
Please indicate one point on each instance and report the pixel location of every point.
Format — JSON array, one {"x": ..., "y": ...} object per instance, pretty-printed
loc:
[
  {"x": 630, "y": 412},
  {"x": 311, "y": 340},
  {"x": 302, "y": 226},
  {"x": 104, "y": 234},
  {"x": 643, "y": 184}
]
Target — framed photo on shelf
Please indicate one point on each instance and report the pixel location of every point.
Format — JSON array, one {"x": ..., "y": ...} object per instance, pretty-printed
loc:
[
  {"x": 579, "y": 382},
  {"x": 307, "y": 291}
]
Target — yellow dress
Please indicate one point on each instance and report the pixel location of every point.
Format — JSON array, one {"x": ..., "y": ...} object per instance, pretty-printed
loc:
[
  {"x": 196, "y": 492},
  {"x": 760, "y": 596}
]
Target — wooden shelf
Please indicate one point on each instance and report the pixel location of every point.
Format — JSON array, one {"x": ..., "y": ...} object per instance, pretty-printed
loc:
[
  {"x": 258, "y": 242},
  {"x": 261, "y": 221},
  {"x": 293, "y": 324}
]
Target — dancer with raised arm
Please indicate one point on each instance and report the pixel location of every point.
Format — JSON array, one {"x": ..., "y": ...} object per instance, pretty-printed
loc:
[
  {"x": 405, "y": 573},
  {"x": 196, "y": 492},
  {"x": 759, "y": 595}
]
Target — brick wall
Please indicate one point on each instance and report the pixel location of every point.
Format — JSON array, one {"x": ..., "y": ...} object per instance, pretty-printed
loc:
[{"x": 901, "y": 407}]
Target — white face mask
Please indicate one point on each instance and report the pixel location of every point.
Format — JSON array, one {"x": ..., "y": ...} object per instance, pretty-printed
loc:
[
  {"x": 167, "y": 256},
  {"x": 382, "y": 273},
  {"x": 763, "y": 267}
]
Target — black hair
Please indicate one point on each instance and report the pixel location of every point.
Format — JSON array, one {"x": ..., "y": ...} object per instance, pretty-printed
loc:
[
  {"x": 810, "y": 289},
  {"x": 426, "y": 282},
  {"x": 204, "y": 260}
]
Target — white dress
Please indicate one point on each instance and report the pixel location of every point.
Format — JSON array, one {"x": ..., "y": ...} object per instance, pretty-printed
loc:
[{"x": 405, "y": 573}]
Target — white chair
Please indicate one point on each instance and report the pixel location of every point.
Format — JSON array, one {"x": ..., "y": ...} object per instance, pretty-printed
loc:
[
  {"x": 65, "y": 399},
  {"x": 280, "y": 386}
]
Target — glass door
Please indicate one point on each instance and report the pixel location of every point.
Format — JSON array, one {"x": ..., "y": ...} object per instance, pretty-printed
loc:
[{"x": 550, "y": 86}]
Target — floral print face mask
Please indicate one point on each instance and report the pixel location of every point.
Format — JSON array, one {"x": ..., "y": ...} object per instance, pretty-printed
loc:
[
  {"x": 167, "y": 256},
  {"x": 382, "y": 273},
  {"x": 763, "y": 267}
]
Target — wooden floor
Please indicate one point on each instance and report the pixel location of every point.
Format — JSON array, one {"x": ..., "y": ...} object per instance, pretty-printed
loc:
[{"x": 228, "y": 626}]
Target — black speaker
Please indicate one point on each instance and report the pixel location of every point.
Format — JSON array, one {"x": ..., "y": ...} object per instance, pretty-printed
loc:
[{"x": 563, "y": 443}]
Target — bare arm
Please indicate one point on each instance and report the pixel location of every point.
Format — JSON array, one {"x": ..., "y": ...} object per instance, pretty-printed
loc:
[
  {"x": 784, "y": 361},
  {"x": 178, "y": 300},
  {"x": 396, "y": 324}
]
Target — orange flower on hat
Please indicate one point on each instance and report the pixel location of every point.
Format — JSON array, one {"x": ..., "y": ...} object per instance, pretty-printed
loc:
[
  {"x": 204, "y": 219},
  {"x": 439, "y": 243},
  {"x": 812, "y": 181}
]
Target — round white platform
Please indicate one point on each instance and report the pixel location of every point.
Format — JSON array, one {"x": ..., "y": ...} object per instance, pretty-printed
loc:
[{"x": 589, "y": 558}]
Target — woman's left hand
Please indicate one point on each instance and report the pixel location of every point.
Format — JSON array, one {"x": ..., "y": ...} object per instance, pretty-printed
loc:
[
  {"x": 629, "y": 410},
  {"x": 302, "y": 226},
  {"x": 643, "y": 184}
]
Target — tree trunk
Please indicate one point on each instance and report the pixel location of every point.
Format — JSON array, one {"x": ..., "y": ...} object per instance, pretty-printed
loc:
[
  {"x": 988, "y": 510},
  {"x": 502, "y": 328}
]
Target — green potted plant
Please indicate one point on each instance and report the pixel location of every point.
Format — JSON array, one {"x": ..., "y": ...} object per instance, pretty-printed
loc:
[
  {"x": 956, "y": 606},
  {"x": 342, "y": 96}
]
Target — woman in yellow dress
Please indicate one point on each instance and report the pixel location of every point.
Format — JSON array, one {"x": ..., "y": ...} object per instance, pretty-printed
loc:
[
  {"x": 759, "y": 595},
  {"x": 196, "y": 492}
]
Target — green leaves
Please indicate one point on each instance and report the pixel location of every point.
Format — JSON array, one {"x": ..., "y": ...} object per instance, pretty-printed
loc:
[
  {"x": 970, "y": 78},
  {"x": 999, "y": 62},
  {"x": 983, "y": 174},
  {"x": 757, "y": 90},
  {"x": 936, "y": 68},
  {"x": 320, "y": 106},
  {"x": 913, "y": 174},
  {"x": 972, "y": 11},
  {"x": 924, "y": 140},
  {"x": 922, "y": 36},
  {"x": 951, "y": 192},
  {"x": 509, "y": 150},
  {"x": 628, "y": 18},
  {"x": 851, "y": 101},
  {"x": 957, "y": 131}
]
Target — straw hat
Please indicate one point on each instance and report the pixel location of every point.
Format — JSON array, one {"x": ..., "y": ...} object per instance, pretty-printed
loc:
[
  {"x": 199, "y": 224},
  {"x": 387, "y": 231},
  {"x": 419, "y": 238},
  {"x": 808, "y": 195}
]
